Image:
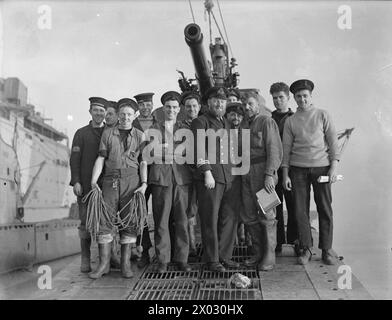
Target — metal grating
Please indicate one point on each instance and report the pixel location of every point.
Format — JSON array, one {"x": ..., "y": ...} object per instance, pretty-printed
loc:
[
  {"x": 229, "y": 294},
  {"x": 164, "y": 290},
  {"x": 207, "y": 274},
  {"x": 171, "y": 275},
  {"x": 199, "y": 249},
  {"x": 241, "y": 251},
  {"x": 171, "y": 267}
]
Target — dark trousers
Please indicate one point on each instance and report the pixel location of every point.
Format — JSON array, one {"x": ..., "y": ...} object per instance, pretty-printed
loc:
[
  {"x": 287, "y": 197},
  {"x": 191, "y": 214},
  {"x": 82, "y": 208},
  {"x": 218, "y": 214},
  {"x": 166, "y": 200},
  {"x": 302, "y": 179}
]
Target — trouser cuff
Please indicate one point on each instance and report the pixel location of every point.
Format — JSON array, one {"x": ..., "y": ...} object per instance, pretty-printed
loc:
[
  {"x": 127, "y": 239},
  {"x": 105, "y": 238}
]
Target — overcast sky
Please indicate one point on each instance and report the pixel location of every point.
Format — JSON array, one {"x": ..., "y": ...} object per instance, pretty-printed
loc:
[{"x": 117, "y": 49}]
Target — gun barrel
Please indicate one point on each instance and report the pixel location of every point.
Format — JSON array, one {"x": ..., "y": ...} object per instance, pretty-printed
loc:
[{"x": 194, "y": 39}]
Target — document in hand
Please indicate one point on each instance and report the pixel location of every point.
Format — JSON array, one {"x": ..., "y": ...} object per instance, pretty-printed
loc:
[{"x": 267, "y": 201}]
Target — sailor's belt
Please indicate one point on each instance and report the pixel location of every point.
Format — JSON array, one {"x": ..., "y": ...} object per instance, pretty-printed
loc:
[
  {"x": 259, "y": 159},
  {"x": 201, "y": 162},
  {"x": 120, "y": 173}
]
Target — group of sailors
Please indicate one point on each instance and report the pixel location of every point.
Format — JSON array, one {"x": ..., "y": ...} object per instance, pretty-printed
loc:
[{"x": 287, "y": 152}]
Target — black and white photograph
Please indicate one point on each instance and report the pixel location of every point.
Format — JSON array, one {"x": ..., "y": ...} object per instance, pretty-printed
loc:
[{"x": 192, "y": 152}]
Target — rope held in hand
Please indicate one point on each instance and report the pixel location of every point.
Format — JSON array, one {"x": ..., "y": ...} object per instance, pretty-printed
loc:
[{"x": 100, "y": 214}]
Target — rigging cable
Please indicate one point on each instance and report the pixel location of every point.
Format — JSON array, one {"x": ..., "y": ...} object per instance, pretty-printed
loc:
[
  {"x": 224, "y": 28},
  {"x": 220, "y": 32},
  {"x": 193, "y": 16}
]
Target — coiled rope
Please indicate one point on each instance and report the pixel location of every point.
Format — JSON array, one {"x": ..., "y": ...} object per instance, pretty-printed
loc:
[{"x": 100, "y": 214}]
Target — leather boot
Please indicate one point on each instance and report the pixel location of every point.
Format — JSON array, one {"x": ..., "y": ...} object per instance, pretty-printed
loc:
[
  {"x": 104, "y": 261},
  {"x": 305, "y": 256},
  {"x": 269, "y": 244},
  {"x": 328, "y": 257},
  {"x": 114, "y": 260},
  {"x": 85, "y": 255},
  {"x": 126, "y": 260},
  {"x": 255, "y": 231}
]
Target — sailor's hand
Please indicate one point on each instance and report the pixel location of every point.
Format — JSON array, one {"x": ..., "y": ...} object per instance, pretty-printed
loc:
[
  {"x": 94, "y": 185},
  {"x": 142, "y": 188},
  {"x": 269, "y": 184},
  {"x": 332, "y": 175},
  {"x": 287, "y": 183},
  {"x": 209, "y": 180},
  {"x": 77, "y": 189}
]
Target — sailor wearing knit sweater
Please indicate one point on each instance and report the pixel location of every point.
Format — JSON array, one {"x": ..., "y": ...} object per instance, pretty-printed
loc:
[{"x": 310, "y": 150}]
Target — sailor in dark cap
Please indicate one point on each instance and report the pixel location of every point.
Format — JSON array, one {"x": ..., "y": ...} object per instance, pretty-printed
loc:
[
  {"x": 170, "y": 188},
  {"x": 235, "y": 114},
  {"x": 216, "y": 187},
  {"x": 191, "y": 102},
  {"x": 120, "y": 151},
  {"x": 145, "y": 119},
  {"x": 170, "y": 95},
  {"x": 111, "y": 118},
  {"x": 234, "y": 95},
  {"x": 84, "y": 151},
  {"x": 143, "y": 122},
  {"x": 310, "y": 150}
]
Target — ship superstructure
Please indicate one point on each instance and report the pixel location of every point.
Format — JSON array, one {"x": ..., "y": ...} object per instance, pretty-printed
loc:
[{"x": 34, "y": 167}]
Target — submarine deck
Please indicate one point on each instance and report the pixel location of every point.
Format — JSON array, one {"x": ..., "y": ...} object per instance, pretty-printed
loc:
[{"x": 288, "y": 281}]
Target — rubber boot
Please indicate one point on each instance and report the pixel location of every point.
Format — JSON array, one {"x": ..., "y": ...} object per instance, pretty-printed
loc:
[
  {"x": 126, "y": 260},
  {"x": 85, "y": 266},
  {"x": 256, "y": 231},
  {"x": 104, "y": 261},
  {"x": 114, "y": 260},
  {"x": 144, "y": 259},
  {"x": 269, "y": 244}
]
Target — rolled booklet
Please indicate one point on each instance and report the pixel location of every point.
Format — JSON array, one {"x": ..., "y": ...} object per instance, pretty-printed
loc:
[{"x": 267, "y": 201}]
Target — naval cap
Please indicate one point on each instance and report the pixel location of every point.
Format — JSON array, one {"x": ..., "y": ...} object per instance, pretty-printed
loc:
[
  {"x": 217, "y": 92},
  {"x": 302, "y": 84},
  {"x": 144, "y": 97},
  {"x": 127, "y": 102},
  {"x": 113, "y": 104},
  {"x": 236, "y": 107},
  {"x": 98, "y": 101},
  {"x": 189, "y": 95},
  {"x": 234, "y": 92},
  {"x": 170, "y": 95}
]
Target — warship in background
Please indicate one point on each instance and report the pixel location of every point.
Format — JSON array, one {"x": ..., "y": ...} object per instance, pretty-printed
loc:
[
  {"x": 35, "y": 175},
  {"x": 35, "y": 198}
]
